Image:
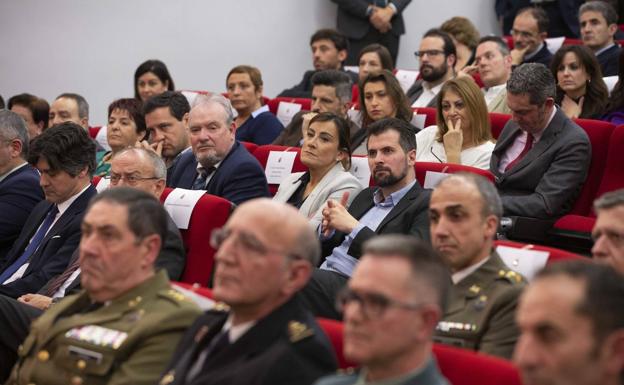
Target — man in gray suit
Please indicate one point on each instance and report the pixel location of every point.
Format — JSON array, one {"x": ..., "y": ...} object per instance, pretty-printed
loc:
[
  {"x": 400, "y": 288},
  {"x": 541, "y": 158}
]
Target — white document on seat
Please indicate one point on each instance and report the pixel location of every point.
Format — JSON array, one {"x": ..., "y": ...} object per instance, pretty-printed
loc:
[
  {"x": 432, "y": 178},
  {"x": 406, "y": 78},
  {"x": 554, "y": 43},
  {"x": 180, "y": 204},
  {"x": 279, "y": 166},
  {"x": 102, "y": 140},
  {"x": 355, "y": 116},
  {"x": 360, "y": 169},
  {"x": 102, "y": 184},
  {"x": 286, "y": 111},
  {"x": 418, "y": 120},
  {"x": 524, "y": 261},
  {"x": 202, "y": 302},
  {"x": 610, "y": 81}
]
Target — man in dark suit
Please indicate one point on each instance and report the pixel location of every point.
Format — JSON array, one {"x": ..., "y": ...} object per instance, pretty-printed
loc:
[
  {"x": 65, "y": 157},
  {"x": 396, "y": 205},
  {"x": 371, "y": 21},
  {"x": 19, "y": 181},
  {"x": 541, "y": 157},
  {"x": 329, "y": 50},
  {"x": 529, "y": 32},
  {"x": 133, "y": 167},
  {"x": 218, "y": 163},
  {"x": 437, "y": 57},
  {"x": 267, "y": 336},
  {"x": 598, "y": 27}
]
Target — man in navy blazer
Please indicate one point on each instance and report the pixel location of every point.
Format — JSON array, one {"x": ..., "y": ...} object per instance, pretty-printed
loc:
[
  {"x": 65, "y": 157},
  {"x": 218, "y": 164},
  {"x": 19, "y": 182}
]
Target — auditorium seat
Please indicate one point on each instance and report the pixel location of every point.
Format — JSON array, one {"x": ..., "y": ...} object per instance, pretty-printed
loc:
[
  {"x": 306, "y": 104},
  {"x": 459, "y": 366},
  {"x": 209, "y": 213},
  {"x": 262, "y": 154},
  {"x": 613, "y": 176},
  {"x": 251, "y": 147},
  {"x": 93, "y": 131},
  {"x": 554, "y": 254},
  {"x": 355, "y": 94},
  {"x": 497, "y": 123},
  {"x": 449, "y": 168},
  {"x": 430, "y": 120}
]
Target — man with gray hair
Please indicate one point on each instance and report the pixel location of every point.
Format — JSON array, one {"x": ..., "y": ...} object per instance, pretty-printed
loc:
[
  {"x": 19, "y": 181},
  {"x": 218, "y": 163},
  {"x": 69, "y": 107},
  {"x": 608, "y": 232},
  {"x": 266, "y": 336},
  {"x": 541, "y": 158},
  {"x": 599, "y": 24},
  {"x": 464, "y": 213}
]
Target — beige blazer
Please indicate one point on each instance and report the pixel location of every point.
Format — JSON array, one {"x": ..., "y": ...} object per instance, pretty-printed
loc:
[
  {"x": 332, "y": 186},
  {"x": 499, "y": 104}
]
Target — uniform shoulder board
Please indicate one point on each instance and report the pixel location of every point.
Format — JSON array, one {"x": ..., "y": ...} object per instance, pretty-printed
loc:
[
  {"x": 510, "y": 276},
  {"x": 173, "y": 295},
  {"x": 298, "y": 331},
  {"x": 220, "y": 307}
]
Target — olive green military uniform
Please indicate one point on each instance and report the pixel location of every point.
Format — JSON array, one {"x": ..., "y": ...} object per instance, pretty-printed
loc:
[
  {"x": 481, "y": 308},
  {"x": 128, "y": 340}
]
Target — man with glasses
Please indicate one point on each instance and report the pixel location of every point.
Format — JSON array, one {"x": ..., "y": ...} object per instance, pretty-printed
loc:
[
  {"x": 464, "y": 213},
  {"x": 608, "y": 232},
  {"x": 391, "y": 307},
  {"x": 218, "y": 163},
  {"x": 529, "y": 37},
  {"x": 266, "y": 253},
  {"x": 437, "y": 59}
]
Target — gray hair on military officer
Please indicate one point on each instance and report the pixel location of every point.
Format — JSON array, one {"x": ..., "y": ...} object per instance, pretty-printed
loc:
[
  {"x": 492, "y": 204},
  {"x": 533, "y": 79}
]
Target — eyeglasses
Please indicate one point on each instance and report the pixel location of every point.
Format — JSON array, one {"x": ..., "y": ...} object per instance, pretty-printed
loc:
[
  {"x": 525, "y": 34},
  {"x": 245, "y": 240},
  {"x": 130, "y": 179},
  {"x": 431, "y": 52},
  {"x": 373, "y": 305}
]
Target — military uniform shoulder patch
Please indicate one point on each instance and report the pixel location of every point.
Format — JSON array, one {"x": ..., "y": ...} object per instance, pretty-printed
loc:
[
  {"x": 510, "y": 276},
  {"x": 298, "y": 331},
  {"x": 173, "y": 295},
  {"x": 221, "y": 307}
]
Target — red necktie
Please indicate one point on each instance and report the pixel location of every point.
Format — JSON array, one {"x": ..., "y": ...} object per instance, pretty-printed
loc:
[{"x": 527, "y": 146}]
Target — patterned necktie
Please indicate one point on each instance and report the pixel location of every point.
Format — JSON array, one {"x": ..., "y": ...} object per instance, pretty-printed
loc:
[
  {"x": 60, "y": 279},
  {"x": 202, "y": 176},
  {"x": 35, "y": 241},
  {"x": 527, "y": 146}
]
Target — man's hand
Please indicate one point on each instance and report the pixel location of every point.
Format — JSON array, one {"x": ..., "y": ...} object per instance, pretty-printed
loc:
[
  {"x": 336, "y": 216},
  {"x": 571, "y": 108},
  {"x": 453, "y": 141},
  {"x": 305, "y": 122},
  {"x": 380, "y": 18},
  {"x": 155, "y": 147},
  {"x": 468, "y": 71},
  {"x": 36, "y": 300},
  {"x": 517, "y": 55}
]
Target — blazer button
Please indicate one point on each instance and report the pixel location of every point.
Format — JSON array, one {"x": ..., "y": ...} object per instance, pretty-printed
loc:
[{"x": 43, "y": 356}]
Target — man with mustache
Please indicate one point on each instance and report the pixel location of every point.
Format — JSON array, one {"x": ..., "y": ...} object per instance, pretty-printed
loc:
[
  {"x": 395, "y": 205},
  {"x": 218, "y": 163},
  {"x": 464, "y": 213},
  {"x": 437, "y": 62}
]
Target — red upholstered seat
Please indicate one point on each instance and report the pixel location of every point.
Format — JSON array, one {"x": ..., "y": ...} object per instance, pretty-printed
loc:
[
  {"x": 577, "y": 223},
  {"x": 497, "y": 123},
  {"x": 210, "y": 212},
  {"x": 201, "y": 290},
  {"x": 430, "y": 120},
  {"x": 262, "y": 154},
  {"x": 93, "y": 131},
  {"x": 613, "y": 176},
  {"x": 251, "y": 147},
  {"x": 554, "y": 253},
  {"x": 449, "y": 168},
  {"x": 306, "y": 104},
  {"x": 461, "y": 367}
]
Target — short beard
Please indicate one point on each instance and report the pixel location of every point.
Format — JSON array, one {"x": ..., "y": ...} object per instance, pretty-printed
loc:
[
  {"x": 436, "y": 73},
  {"x": 209, "y": 161},
  {"x": 391, "y": 179}
]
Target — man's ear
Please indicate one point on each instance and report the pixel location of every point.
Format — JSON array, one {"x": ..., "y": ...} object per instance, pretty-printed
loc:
[
  {"x": 185, "y": 120},
  {"x": 342, "y": 55},
  {"x": 151, "y": 245},
  {"x": 613, "y": 29},
  {"x": 543, "y": 35},
  {"x": 299, "y": 272},
  {"x": 613, "y": 352}
]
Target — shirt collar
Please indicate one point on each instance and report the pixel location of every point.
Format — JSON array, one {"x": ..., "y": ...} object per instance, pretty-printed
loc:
[
  {"x": 260, "y": 110},
  {"x": 458, "y": 276},
  {"x": 393, "y": 198},
  {"x": 604, "y": 49},
  {"x": 528, "y": 56},
  {"x": 538, "y": 135},
  {"x": 63, "y": 206},
  {"x": 13, "y": 170},
  {"x": 435, "y": 90},
  {"x": 496, "y": 89},
  {"x": 236, "y": 332}
]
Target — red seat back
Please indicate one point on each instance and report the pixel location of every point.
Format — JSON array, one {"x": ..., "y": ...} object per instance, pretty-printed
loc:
[
  {"x": 599, "y": 134},
  {"x": 262, "y": 154},
  {"x": 306, "y": 104},
  {"x": 209, "y": 213},
  {"x": 449, "y": 168},
  {"x": 497, "y": 123},
  {"x": 430, "y": 120},
  {"x": 251, "y": 147},
  {"x": 613, "y": 175},
  {"x": 93, "y": 131},
  {"x": 555, "y": 254}
]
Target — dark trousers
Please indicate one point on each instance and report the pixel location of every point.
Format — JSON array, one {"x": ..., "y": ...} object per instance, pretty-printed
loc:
[
  {"x": 388, "y": 40},
  {"x": 319, "y": 295},
  {"x": 15, "y": 320}
]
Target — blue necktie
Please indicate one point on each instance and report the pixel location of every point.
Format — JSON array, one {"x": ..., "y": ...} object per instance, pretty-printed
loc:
[
  {"x": 202, "y": 176},
  {"x": 32, "y": 246}
]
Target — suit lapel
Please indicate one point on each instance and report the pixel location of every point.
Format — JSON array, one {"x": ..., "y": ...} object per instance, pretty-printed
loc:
[
  {"x": 472, "y": 285},
  {"x": 318, "y": 190},
  {"x": 403, "y": 204}
]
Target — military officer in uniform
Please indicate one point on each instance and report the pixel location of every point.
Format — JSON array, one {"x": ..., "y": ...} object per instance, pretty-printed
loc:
[
  {"x": 266, "y": 336},
  {"x": 464, "y": 213},
  {"x": 123, "y": 327}
]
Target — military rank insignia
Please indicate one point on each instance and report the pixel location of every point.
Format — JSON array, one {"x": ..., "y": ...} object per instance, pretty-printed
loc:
[
  {"x": 446, "y": 326},
  {"x": 98, "y": 335},
  {"x": 298, "y": 331}
]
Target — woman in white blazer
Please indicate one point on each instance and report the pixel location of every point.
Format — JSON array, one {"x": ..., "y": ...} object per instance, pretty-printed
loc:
[{"x": 326, "y": 152}]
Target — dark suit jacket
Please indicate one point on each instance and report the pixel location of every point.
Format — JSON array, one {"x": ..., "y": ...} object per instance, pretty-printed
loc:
[
  {"x": 609, "y": 60},
  {"x": 545, "y": 183},
  {"x": 238, "y": 178},
  {"x": 19, "y": 193},
  {"x": 416, "y": 90},
  {"x": 353, "y": 21},
  {"x": 409, "y": 216},
  {"x": 542, "y": 56},
  {"x": 285, "y": 347},
  {"x": 304, "y": 88},
  {"x": 568, "y": 15},
  {"x": 55, "y": 249}
]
